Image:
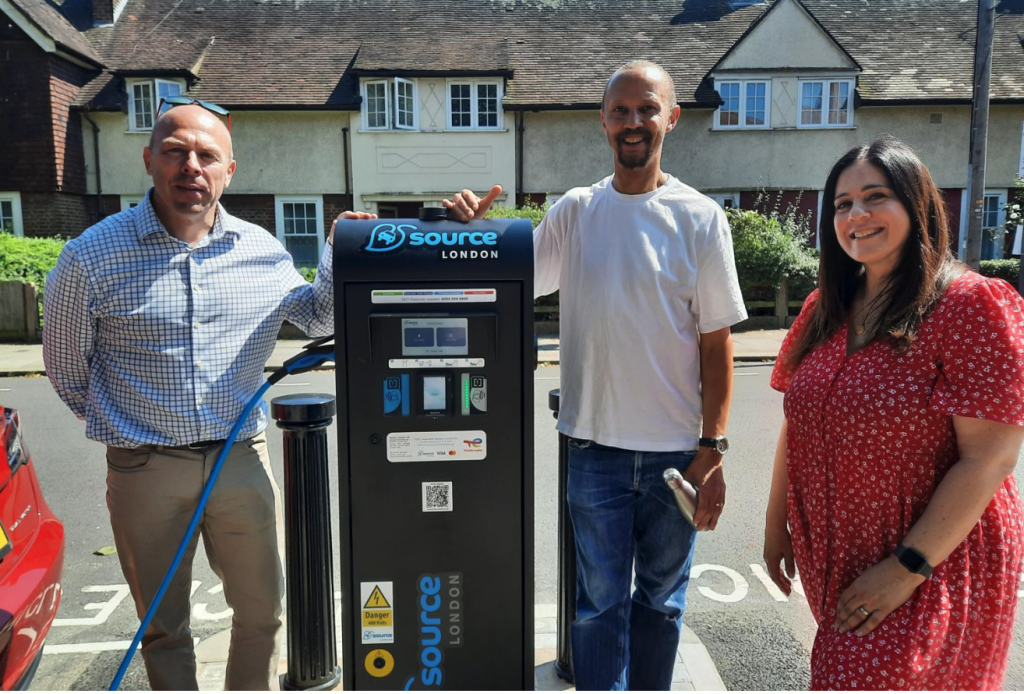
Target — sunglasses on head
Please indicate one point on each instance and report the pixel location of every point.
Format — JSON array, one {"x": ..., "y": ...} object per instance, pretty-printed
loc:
[{"x": 169, "y": 102}]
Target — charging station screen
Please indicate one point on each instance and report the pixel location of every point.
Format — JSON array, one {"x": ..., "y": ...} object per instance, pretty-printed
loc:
[
  {"x": 435, "y": 395},
  {"x": 435, "y": 336}
]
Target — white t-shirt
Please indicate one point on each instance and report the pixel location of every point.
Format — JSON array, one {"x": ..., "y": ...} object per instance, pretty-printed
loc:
[{"x": 640, "y": 276}]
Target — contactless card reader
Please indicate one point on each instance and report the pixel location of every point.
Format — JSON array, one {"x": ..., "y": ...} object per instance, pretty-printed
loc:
[{"x": 435, "y": 445}]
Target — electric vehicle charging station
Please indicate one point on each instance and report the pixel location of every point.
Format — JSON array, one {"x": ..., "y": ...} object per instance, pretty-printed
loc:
[{"x": 435, "y": 446}]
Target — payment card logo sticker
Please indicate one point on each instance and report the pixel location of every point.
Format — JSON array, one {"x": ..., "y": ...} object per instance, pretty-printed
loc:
[
  {"x": 379, "y": 663},
  {"x": 426, "y": 446},
  {"x": 378, "y": 619}
]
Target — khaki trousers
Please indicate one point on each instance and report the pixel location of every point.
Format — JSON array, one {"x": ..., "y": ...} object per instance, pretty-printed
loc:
[{"x": 152, "y": 493}]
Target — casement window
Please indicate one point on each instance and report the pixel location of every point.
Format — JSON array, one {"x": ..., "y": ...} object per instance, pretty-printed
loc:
[
  {"x": 390, "y": 104},
  {"x": 474, "y": 105},
  {"x": 993, "y": 219},
  {"x": 10, "y": 214},
  {"x": 826, "y": 104},
  {"x": 144, "y": 98},
  {"x": 130, "y": 201},
  {"x": 300, "y": 223},
  {"x": 727, "y": 201},
  {"x": 746, "y": 104}
]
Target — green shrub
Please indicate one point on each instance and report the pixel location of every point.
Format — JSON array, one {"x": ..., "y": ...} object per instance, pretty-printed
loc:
[
  {"x": 770, "y": 247},
  {"x": 1007, "y": 269},
  {"x": 28, "y": 259},
  {"x": 530, "y": 211},
  {"x": 309, "y": 273}
]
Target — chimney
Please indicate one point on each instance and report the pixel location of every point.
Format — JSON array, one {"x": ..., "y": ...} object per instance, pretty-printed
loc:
[{"x": 106, "y": 11}]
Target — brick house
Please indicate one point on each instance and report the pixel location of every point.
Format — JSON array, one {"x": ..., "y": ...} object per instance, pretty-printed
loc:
[{"x": 384, "y": 105}]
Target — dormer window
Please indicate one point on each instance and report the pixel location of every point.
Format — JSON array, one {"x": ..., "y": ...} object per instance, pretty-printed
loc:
[
  {"x": 826, "y": 104},
  {"x": 746, "y": 104},
  {"x": 474, "y": 104},
  {"x": 144, "y": 97},
  {"x": 390, "y": 104}
]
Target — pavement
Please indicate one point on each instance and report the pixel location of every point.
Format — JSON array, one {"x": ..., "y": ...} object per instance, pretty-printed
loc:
[
  {"x": 694, "y": 670},
  {"x": 753, "y": 345}
]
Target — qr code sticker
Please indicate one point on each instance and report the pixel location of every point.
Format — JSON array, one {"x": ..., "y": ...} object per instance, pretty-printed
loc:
[{"x": 437, "y": 496}]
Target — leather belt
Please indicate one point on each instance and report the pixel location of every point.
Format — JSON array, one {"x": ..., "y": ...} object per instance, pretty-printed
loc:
[{"x": 202, "y": 445}]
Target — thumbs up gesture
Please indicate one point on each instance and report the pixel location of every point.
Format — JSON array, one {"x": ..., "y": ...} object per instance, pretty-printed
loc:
[{"x": 466, "y": 205}]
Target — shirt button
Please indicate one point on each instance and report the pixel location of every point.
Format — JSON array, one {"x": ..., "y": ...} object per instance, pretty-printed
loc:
[
  {"x": 195, "y": 326},
  {"x": 199, "y": 401},
  {"x": 195, "y": 287},
  {"x": 199, "y": 362}
]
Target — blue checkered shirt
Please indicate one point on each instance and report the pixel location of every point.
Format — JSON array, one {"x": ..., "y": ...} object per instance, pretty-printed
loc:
[{"x": 153, "y": 342}]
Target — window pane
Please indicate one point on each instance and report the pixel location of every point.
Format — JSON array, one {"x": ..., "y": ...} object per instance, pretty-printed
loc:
[
  {"x": 166, "y": 89},
  {"x": 7, "y": 216},
  {"x": 729, "y": 114},
  {"x": 810, "y": 103},
  {"x": 142, "y": 96},
  {"x": 838, "y": 103},
  {"x": 755, "y": 104},
  {"x": 376, "y": 105},
  {"x": 990, "y": 219},
  {"x": 462, "y": 107},
  {"x": 303, "y": 250},
  {"x": 404, "y": 104},
  {"x": 487, "y": 105}
]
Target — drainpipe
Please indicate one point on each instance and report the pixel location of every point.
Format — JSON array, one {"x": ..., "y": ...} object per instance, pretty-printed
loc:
[
  {"x": 520, "y": 129},
  {"x": 348, "y": 183},
  {"x": 96, "y": 154}
]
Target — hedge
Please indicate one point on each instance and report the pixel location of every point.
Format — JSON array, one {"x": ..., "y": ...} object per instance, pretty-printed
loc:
[
  {"x": 28, "y": 259},
  {"x": 1007, "y": 269}
]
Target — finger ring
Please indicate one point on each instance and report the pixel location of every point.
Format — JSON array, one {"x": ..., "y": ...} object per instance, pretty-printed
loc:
[
  {"x": 719, "y": 504},
  {"x": 863, "y": 611}
]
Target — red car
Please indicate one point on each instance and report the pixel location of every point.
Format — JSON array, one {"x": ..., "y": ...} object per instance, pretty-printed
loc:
[{"x": 31, "y": 558}]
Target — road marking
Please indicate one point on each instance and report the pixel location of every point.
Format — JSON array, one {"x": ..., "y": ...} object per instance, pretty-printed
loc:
[
  {"x": 773, "y": 590},
  {"x": 105, "y": 608},
  {"x": 740, "y": 585},
  {"x": 95, "y": 647}
]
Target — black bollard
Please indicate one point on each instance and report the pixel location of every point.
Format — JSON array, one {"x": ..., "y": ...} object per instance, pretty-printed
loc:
[
  {"x": 309, "y": 565},
  {"x": 566, "y": 557}
]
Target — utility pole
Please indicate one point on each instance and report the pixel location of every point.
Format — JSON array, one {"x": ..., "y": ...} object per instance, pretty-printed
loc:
[{"x": 979, "y": 131}]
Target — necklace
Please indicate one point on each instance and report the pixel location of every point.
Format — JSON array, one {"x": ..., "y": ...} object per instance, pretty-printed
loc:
[{"x": 861, "y": 327}]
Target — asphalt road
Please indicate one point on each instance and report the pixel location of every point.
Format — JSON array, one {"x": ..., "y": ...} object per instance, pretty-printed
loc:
[{"x": 758, "y": 639}]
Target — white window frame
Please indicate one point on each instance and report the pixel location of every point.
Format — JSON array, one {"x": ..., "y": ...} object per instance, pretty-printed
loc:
[
  {"x": 318, "y": 200},
  {"x": 1000, "y": 237},
  {"x": 743, "y": 105},
  {"x": 720, "y": 198},
  {"x": 391, "y": 105},
  {"x": 154, "y": 86},
  {"x": 474, "y": 101},
  {"x": 128, "y": 200},
  {"x": 14, "y": 197},
  {"x": 826, "y": 85}
]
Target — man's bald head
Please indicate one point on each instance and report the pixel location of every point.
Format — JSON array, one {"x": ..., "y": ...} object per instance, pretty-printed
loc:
[
  {"x": 650, "y": 70},
  {"x": 191, "y": 117}
]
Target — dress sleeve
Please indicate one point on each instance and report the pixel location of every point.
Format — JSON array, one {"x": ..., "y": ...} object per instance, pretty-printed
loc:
[
  {"x": 981, "y": 372},
  {"x": 783, "y": 373}
]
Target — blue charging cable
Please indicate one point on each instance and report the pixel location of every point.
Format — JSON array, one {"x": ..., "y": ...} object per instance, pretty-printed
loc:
[{"x": 312, "y": 355}]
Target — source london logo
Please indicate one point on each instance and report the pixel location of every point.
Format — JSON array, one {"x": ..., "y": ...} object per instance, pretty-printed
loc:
[{"x": 453, "y": 245}]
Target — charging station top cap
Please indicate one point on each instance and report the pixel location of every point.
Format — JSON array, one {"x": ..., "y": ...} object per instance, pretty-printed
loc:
[
  {"x": 433, "y": 214},
  {"x": 303, "y": 407}
]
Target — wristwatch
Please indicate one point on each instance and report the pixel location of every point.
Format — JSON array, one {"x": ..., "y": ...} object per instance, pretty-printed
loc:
[
  {"x": 913, "y": 561},
  {"x": 719, "y": 443}
]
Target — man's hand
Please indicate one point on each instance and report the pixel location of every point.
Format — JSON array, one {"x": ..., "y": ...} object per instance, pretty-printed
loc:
[
  {"x": 466, "y": 205},
  {"x": 705, "y": 473},
  {"x": 348, "y": 215}
]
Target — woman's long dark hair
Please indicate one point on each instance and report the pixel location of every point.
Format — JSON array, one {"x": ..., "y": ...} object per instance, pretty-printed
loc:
[{"x": 925, "y": 266}]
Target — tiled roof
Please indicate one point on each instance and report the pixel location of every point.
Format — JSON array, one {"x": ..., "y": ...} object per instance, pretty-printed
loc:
[
  {"x": 303, "y": 53},
  {"x": 55, "y": 26}
]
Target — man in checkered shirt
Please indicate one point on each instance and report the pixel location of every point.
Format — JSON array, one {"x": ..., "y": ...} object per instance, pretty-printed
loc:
[{"x": 158, "y": 324}]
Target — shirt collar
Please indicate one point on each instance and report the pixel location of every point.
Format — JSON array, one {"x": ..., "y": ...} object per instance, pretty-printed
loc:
[{"x": 147, "y": 223}]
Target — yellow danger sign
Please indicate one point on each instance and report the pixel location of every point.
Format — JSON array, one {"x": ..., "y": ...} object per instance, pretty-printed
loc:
[
  {"x": 376, "y": 599},
  {"x": 378, "y": 618}
]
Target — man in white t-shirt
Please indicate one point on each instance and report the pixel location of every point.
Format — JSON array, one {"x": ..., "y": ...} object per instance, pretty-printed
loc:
[{"x": 648, "y": 293}]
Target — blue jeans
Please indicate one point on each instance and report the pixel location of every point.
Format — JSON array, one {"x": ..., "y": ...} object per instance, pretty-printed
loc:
[{"x": 623, "y": 514}]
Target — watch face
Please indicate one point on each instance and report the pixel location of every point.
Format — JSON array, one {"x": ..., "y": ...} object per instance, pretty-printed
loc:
[
  {"x": 911, "y": 559},
  {"x": 722, "y": 445}
]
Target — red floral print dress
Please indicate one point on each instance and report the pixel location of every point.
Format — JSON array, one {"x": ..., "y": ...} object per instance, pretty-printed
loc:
[{"x": 870, "y": 438}]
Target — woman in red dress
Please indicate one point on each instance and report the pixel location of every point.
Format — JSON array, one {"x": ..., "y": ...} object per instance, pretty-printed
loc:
[{"x": 904, "y": 415}]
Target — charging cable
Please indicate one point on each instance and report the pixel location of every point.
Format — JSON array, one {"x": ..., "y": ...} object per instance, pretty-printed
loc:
[{"x": 312, "y": 355}]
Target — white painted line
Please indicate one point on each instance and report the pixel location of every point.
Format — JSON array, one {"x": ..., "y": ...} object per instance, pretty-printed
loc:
[
  {"x": 745, "y": 373},
  {"x": 97, "y": 647}
]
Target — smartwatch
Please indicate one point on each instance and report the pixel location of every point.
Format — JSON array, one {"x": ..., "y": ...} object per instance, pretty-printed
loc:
[
  {"x": 913, "y": 561},
  {"x": 719, "y": 443}
]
